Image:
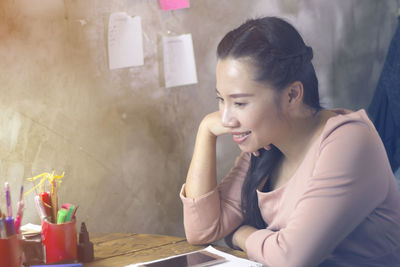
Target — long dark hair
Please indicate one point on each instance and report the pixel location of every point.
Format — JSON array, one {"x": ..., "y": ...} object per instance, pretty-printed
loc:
[{"x": 280, "y": 57}]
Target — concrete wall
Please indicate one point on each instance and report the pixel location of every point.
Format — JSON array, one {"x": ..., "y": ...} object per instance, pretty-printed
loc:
[{"x": 124, "y": 141}]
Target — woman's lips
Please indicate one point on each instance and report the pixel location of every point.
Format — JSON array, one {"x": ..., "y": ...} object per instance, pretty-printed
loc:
[{"x": 239, "y": 138}]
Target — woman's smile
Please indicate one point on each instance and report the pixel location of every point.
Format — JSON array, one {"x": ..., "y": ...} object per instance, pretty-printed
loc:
[{"x": 240, "y": 137}]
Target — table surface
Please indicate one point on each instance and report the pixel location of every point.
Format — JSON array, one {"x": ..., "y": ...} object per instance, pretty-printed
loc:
[{"x": 119, "y": 249}]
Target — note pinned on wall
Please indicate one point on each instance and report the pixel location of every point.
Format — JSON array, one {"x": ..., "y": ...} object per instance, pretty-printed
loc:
[
  {"x": 125, "y": 41},
  {"x": 179, "y": 61},
  {"x": 174, "y": 4}
]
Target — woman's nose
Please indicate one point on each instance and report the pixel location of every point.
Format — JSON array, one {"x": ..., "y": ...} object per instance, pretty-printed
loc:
[{"x": 228, "y": 120}]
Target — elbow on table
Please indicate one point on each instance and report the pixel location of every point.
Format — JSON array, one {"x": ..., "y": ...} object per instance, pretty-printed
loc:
[
  {"x": 195, "y": 239},
  {"x": 199, "y": 238}
]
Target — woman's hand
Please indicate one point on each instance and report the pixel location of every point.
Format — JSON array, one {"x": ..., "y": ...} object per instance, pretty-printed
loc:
[
  {"x": 241, "y": 234},
  {"x": 213, "y": 123}
]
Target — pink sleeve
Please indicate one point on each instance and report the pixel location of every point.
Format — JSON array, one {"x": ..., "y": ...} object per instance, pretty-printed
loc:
[
  {"x": 214, "y": 215},
  {"x": 348, "y": 182}
]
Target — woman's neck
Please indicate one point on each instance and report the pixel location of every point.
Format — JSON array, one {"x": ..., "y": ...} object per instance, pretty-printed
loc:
[{"x": 301, "y": 133}]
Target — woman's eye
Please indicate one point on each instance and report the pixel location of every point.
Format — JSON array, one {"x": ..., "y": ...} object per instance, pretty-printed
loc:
[
  {"x": 240, "y": 104},
  {"x": 220, "y": 99}
]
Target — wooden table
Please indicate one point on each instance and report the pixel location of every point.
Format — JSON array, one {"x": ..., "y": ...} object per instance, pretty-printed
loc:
[{"x": 119, "y": 249}]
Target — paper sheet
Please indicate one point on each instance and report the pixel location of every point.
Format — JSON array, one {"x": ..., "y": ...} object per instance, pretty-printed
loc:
[
  {"x": 125, "y": 41},
  {"x": 31, "y": 228},
  {"x": 174, "y": 4},
  {"x": 233, "y": 261},
  {"x": 179, "y": 62}
]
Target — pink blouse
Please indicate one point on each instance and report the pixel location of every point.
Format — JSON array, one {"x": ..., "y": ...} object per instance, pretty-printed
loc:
[{"x": 340, "y": 208}]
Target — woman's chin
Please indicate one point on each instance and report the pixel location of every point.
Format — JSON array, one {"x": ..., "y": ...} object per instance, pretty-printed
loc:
[{"x": 247, "y": 149}]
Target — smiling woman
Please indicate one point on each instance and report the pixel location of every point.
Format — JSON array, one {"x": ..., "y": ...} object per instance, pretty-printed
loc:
[
  {"x": 248, "y": 108},
  {"x": 312, "y": 186}
]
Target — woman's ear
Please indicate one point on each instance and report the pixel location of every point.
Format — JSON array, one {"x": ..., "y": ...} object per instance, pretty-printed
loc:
[{"x": 294, "y": 93}]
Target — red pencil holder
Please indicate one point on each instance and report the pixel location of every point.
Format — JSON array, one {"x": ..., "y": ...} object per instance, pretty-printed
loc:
[
  {"x": 59, "y": 242},
  {"x": 11, "y": 251}
]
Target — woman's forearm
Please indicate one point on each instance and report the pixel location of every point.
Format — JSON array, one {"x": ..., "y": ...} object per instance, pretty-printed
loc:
[
  {"x": 201, "y": 176},
  {"x": 241, "y": 234}
]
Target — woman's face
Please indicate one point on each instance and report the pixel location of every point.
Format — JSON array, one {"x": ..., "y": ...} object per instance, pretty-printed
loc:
[{"x": 249, "y": 108}]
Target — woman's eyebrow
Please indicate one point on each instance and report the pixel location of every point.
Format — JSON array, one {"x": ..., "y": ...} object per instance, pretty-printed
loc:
[
  {"x": 240, "y": 95},
  {"x": 236, "y": 95}
]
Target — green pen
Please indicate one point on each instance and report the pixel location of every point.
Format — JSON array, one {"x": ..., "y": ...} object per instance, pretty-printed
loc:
[
  {"x": 69, "y": 214},
  {"x": 62, "y": 214}
]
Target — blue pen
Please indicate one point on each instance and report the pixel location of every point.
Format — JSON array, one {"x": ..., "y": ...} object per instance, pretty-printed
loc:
[
  {"x": 9, "y": 221},
  {"x": 10, "y": 227},
  {"x": 8, "y": 199}
]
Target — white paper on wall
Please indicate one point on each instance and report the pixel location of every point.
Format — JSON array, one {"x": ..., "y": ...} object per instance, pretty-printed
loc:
[
  {"x": 179, "y": 62},
  {"x": 125, "y": 41}
]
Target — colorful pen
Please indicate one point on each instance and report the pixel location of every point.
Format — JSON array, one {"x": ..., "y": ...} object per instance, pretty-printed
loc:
[
  {"x": 8, "y": 199},
  {"x": 61, "y": 215},
  {"x": 18, "y": 219},
  {"x": 40, "y": 208},
  {"x": 69, "y": 213},
  {"x": 9, "y": 225},
  {"x": 74, "y": 212}
]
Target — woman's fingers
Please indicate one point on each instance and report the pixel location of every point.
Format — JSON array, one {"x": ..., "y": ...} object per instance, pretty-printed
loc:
[
  {"x": 256, "y": 153},
  {"x": 268, "y": 147},
  {"x": 214, "y": 124}
]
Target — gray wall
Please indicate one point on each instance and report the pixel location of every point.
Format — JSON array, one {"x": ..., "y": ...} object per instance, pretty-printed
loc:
[{"x": 124, "y": 141}]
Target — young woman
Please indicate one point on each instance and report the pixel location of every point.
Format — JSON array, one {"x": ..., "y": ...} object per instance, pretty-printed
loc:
[{"x": 311, "y": 186}]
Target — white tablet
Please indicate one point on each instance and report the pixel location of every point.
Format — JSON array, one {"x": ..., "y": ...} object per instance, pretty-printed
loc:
[{"x": 194, "y": 259}]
